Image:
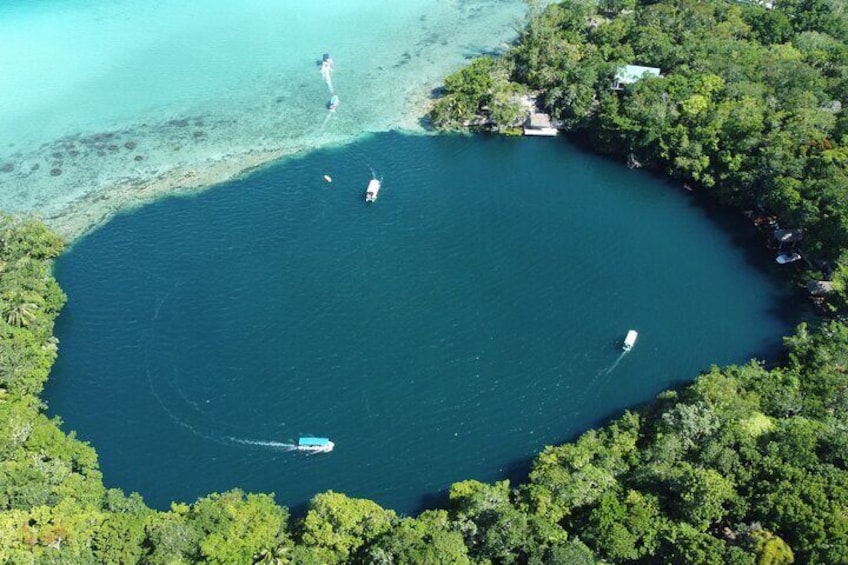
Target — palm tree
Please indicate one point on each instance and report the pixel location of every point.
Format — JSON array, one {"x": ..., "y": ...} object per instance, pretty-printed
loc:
[
  {"x": 276, "y": 556},
  {"x": 20, "y": 310}
]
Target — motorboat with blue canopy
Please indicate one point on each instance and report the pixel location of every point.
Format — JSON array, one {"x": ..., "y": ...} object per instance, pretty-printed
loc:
[{"x": 315, "y": 444}]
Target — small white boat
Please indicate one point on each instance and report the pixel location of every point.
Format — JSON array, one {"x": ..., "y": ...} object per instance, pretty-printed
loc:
[
  {"x": 333, "y": 103},
  {"x": 372, "y": 191},
  {"x": 328, "y": 178},
  {"x": 630, "y": 340},
  {"x": 315, "y": 444},
  {"x": 785, "y": 258}
]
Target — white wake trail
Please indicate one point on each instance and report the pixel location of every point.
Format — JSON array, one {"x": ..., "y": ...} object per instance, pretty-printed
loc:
[
  {"x": 199, "y": 428},
  {"x": 326, "y": 72},
  {"x": 283, "y": 446}
]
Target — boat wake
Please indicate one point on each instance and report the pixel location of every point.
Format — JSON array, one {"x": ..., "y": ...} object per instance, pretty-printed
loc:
[
  {"x": 198, "y": 422},
  {"x": 611, "y": 368},
  {"x": 602, "y": 377},
  {"x": 279, "y": 445},
  {"x": 186, "y": 413},
  {"x": 326, "y": 72}
]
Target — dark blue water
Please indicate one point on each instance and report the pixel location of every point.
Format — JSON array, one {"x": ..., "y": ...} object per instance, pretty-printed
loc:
[{"x": 449, "y": 331}]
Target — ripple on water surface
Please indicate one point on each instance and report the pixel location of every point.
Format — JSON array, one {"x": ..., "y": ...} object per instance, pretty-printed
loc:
[
  {"x": 449, "y": 331},
  {"x": 143, "y": 96}
]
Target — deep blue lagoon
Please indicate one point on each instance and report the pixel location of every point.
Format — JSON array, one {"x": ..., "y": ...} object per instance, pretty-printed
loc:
[{"x": 449, "y": 331}]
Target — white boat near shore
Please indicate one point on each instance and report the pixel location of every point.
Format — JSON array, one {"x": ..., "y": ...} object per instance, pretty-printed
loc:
[{"x": 785, "y": 258}]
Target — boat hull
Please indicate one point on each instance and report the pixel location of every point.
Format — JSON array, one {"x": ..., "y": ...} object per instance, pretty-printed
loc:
[
  {"x": 630, "y": 340},
  {"x": 316, "y": 449},
  {"x": 314, "y": 445},
  {"x": 786, "y": 258},
  {"x": 372, "y": 191}
]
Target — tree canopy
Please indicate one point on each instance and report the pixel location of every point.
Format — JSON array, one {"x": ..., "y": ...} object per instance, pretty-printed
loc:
[
  {"x": 746, "y": 465},
  {"x": 748, "y": 108}
]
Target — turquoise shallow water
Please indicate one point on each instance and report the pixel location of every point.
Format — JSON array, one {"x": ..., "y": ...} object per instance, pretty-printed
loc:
[
  {"x": 449, "y": 331},
  {"x": 101, "y": 94}
]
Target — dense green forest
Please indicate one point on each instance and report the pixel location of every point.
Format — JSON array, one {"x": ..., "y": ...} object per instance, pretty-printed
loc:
[
  {"x": 747, "y": 465},
  {"x": 749, "y": 107}
]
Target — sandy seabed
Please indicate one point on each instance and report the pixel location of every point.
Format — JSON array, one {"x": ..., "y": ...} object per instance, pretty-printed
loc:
[
  {"x": 124, "y": 126},
  {"x": 92, "y": 178},
  {"x": 98, "y": 206}
]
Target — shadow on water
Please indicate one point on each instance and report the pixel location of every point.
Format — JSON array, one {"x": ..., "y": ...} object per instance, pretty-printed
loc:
[
  {"x": 747, "y": 240},
  {"x": 518, "y": 470},
  {"x": 743, "y": 236},
  {"x": 298, "y": 510},
  {"x": 430, "y": 501}
]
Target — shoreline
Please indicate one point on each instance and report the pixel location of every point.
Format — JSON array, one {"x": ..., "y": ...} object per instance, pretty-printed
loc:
[
  {"x": 90, "y": 211},
  {"x": 74, "y": 166},
  {"x": 93, "y": 209}
]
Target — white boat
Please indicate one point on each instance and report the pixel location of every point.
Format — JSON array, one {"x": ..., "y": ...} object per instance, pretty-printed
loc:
[
  {"x": 315, "y": 444},
  {"x": 372, "y": 191},
  {"x": 630, "y": 340},
  {"x": 333, "y": 103},
  {"x": 785, "y": 258}
]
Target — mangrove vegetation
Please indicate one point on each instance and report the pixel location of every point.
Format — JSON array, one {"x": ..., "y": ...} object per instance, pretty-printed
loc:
[
  {"x": 748, "y": 106},
  {"x": 747, "y": 465}
]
